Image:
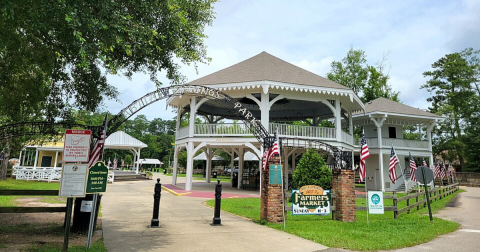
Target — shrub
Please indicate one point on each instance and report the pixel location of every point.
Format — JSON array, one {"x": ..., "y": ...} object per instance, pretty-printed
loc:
[{"x": 312, "y": 170}]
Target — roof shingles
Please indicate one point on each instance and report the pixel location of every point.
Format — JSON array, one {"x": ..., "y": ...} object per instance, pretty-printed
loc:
[
  {"x": 266, "y": 67},
  {"x": 388, "y": 106}
]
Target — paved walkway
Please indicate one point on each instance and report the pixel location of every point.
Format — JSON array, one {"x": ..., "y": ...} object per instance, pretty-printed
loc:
[
  {"x": 464, "y": 210},
  {"x": 127, "y": 208},
  {"x": 127, "y": 211}
]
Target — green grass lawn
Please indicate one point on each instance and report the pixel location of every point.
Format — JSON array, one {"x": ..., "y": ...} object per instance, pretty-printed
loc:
[
  {"x": 13, "y": 184},
  {"x": 382, "y": 233},
  {"x": 7, "y": 201}
]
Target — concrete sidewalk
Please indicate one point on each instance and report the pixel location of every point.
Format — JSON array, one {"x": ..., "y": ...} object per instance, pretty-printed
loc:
[
  {"x": 127, "y": 209},
  {"x": 464, "y": 210}
]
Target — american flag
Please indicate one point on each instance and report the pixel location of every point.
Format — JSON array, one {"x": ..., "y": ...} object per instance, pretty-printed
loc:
[
  {"x": 424, "y": 163},
  {"x": 392, "y": 173},
  {"x": 123, "y": 163},
  {"x": 450, "y": 170},
  {"x": 115, "y": 163},
  {"x": 442, "y": 170},
  {"x": 109, "y": 162},
  {"x": 97, "y": 150},
  {"x": 363, "y": 155},
  {"x": 413, "y": 168},
  {"x": 437, "y": 170},
  {"x": 275, "y": 149},
  {"x": 265, "y": 157}
]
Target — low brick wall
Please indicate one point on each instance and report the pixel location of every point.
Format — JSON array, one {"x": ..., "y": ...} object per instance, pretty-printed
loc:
[{"x": 468, "y": 178}]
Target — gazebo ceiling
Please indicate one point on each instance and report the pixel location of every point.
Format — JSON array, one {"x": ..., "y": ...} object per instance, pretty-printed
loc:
[{"x": 282, "y": 110}]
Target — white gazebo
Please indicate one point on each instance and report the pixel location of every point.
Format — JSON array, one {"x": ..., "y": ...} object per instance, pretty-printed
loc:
[
  {"x": 276, "y": 93},
  {"x": 123, "y": 141}
]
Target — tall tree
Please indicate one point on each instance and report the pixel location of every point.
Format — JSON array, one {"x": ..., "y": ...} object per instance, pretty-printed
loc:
[
  {"x": 452, "y": 84},
  {"x": 56, "y": 54},
  {"x": 368, "y": 82}
]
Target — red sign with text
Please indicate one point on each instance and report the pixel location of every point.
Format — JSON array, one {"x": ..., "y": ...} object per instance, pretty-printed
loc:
[{"x": 76, "y": 146}]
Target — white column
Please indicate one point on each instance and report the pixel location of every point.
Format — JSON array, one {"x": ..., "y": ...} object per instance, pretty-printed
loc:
[
  {"x": 208, "y": 168},
  {"x": 20, "y": 158},
  {"x": 265, "y": 110},
  {"x": 240, "y": 167},
  {"x": 56, "y": 157},
  {"x": 232, "y": 157},
  {"x": 175, "y": 164},
  {"x": 429, "y": 137},
  {"x": 193, "y": 109},
  {"x": 138, "y": 159},
  {"x": 36, "y": 159},
  {"x": 380, "y": 157},
  {"x": 350, "y": 123},
  {"x": 188, "y": 185},
  {"x": 338, "y": 119}
]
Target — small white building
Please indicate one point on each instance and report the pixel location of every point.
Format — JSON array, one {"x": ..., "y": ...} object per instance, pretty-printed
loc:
[{"x": 383, "y": 121}]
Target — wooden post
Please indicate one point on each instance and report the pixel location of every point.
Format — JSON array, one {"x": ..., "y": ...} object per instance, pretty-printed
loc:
[
  {"x": 395, "y": 211},
  {"x": 408, "y": 204},
  {"x": 416, "y": 201}
]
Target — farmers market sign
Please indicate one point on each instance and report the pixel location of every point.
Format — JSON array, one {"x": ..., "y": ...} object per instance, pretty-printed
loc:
[{"x": 311, "y": 199}]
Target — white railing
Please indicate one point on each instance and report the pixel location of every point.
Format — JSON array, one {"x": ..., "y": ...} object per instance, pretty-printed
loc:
[
  {"x": 224, "y": 129},
  {"x": 397, "y": 143},
  {"x": 347, "y": 138},
  {"x": 303, "y": 131},
  {"x": 240, "y": 129},
  {"x": 44, "y": 173},
  {"x": 403, "y": 143},
  {"x": 182, "y": 132},
  {"x": 39, "y": 173}
]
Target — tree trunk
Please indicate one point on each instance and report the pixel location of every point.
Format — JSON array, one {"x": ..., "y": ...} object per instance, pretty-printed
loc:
[{"x": 4, "y": 166}]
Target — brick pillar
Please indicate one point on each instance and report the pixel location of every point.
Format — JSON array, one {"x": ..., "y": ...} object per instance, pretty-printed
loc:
[
  {"x": 343, "y": 185},
  {"x": 271, "y": 206}
]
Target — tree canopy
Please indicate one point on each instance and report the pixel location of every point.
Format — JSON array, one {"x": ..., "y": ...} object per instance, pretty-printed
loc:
[
  {"x": 56, "y": 54},
  {"x": 455, "y": 94},
  {"x": 368, "y": 82}
]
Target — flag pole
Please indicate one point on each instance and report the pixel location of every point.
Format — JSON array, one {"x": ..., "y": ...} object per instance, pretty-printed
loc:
[
  {"x": 366, "y": 191},
  {"x": 403, "y": 173},
  {"x": 283, "y": 180},
  {"x": 365, "y": 178}
]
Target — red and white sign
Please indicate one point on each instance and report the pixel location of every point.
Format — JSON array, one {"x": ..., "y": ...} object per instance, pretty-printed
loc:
[{"x": 76, "y": 146}]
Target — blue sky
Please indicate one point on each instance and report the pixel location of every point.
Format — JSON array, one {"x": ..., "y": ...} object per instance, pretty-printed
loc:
[{"x": 312, "y": 34}]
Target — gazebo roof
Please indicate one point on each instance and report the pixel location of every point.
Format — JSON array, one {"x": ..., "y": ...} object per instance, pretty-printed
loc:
[
  {"x": 122, "y": 140},
  {"x": 145, "y": 161},
  {"x": 266, "y": 67},
  {"x": 383, "y": 105}
]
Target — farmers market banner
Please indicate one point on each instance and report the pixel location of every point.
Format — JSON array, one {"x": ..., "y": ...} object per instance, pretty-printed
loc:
[{"x": 311, "y": 199}]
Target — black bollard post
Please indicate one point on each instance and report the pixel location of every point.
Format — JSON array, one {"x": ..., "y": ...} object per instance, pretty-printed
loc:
[
  {"x": 156, "y": 204},
  {"x": 218, "y": 201}
]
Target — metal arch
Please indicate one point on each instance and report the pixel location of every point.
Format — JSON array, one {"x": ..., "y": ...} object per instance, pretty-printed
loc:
[
  {"x": 35, "y": 128},
  {"x": 248, "y": 119},
  {"x": 343, "y": 159}
]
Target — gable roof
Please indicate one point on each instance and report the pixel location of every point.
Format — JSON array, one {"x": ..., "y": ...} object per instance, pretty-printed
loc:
[
  {"x": 266, "y": 67},
  {"x": 120, "y": 139},
  {"x": 388, "y": 106}
]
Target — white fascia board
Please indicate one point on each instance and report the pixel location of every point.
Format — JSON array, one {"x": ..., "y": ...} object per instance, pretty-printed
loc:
[{"x": 404, "y": 116}]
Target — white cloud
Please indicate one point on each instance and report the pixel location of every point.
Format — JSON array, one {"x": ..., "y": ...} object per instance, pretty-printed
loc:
[{"x": 311, "y": 34}]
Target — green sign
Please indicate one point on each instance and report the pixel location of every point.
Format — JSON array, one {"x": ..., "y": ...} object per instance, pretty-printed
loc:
[
  {"x": 97, "y": 178},
  {"x": 311, "y": 199},
  {"x": 275, "y": 174}
]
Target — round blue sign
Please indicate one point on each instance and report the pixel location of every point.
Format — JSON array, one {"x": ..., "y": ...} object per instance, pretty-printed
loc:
[{"x": 375, "y": 199}]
